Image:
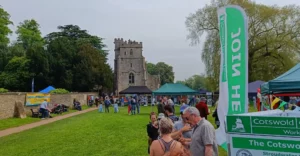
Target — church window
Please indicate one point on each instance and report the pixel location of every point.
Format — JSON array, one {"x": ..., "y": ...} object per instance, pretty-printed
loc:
[
  {"x": 125, "y": 52},
  {"x": 131, "y": 52},
  {"x": 131, "y": 78}
]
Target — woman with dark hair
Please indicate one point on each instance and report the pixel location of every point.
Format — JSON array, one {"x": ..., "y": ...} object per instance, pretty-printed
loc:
[{"x": 152, "y": 130}]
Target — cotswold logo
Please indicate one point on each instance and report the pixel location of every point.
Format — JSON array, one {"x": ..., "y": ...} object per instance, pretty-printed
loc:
[
  {"x": 238, "y": 127},
  {"x": 243, "y": 152}
]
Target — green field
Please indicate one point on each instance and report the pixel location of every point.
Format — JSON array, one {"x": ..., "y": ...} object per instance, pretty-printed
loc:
[{"x": 91, "y": 133}]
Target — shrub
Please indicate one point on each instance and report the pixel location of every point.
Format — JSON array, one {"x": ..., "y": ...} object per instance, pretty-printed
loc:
[
  {"x": 3, "y": 90},
  {"x": 59, "y": 91}
]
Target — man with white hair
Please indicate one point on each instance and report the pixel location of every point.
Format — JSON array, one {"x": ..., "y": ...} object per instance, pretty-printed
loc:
[{"x": 203, "y": 137}]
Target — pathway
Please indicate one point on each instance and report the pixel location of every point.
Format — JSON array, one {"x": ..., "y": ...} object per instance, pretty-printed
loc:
[{"x": 10, "y": 131}]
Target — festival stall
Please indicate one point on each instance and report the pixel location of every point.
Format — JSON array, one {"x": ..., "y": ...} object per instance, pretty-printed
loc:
[
  {"x": 285, "y": 85},
  {"x": 175, "y": 89},
  {"x": 135, "y": 90}
]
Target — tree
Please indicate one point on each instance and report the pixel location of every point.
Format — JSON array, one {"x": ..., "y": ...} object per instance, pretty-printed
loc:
[
  {"x": 196, "y": 82},
  {"x": 16, "y": 75},
  {"x": 162, "y": 69},
  {"x": 91, "y": 70},
  {"x": 29, "y": 34},
  {"x": 32, "y": 42},
  {"x": 4, "y": 40},
  {"x": 273, "y": 38},
  {"x": 4, "y": 25},
  {"x": 78, "y": 61}
]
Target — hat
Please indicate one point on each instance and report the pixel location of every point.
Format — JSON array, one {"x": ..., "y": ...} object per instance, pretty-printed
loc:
[
  {"x": 203, "y": 99},
  {"x": 183, "y": 107},
  {"x": 161, "y": 115}
]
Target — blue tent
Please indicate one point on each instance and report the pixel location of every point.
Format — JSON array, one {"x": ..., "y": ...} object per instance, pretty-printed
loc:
[
  {"x": 47, "y": 90},
  {"x": 203, "y": 91},
  {"x": 253, "y": 86}
]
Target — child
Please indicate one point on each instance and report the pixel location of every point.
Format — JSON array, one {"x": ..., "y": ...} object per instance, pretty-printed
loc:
[
  {"x": 116, "y": 109},
  {"x": 100, "y": 108}
]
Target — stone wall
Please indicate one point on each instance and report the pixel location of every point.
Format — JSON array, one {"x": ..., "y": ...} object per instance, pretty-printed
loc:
[
  {"x": 7, "y": 101},
  {"x": 153, "y": 81}
]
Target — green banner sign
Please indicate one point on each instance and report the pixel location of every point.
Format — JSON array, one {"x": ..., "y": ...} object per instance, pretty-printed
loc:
[
  {"x": 251, "y": 145},
  {"x": 233, "y": 98},
  {"x": 262, "y": 125}
]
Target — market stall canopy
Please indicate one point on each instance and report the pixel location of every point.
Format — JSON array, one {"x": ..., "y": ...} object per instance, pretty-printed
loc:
[
  {"x": 289, "y": 82},
  {"x": 47, "y": 90},
  {"x": 136, "y": 90},
  {"x": 175, "y": 89}
]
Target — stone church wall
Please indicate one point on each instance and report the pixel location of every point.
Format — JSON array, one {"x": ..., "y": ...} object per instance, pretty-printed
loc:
[{"x": 153, "y": 82}]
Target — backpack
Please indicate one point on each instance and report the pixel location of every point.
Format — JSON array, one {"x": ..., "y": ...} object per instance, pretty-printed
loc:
[{"x": 107, "y": 102}]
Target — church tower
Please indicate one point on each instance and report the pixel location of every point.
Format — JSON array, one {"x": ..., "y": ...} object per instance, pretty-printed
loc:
[{"x": 129, "y": 65}]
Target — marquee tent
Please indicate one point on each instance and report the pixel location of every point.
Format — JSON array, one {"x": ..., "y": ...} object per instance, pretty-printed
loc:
[
  {"x": 136, "y": 90},
  {"x": 174, "y": 89},
  {"x": 289, "y": 82}
]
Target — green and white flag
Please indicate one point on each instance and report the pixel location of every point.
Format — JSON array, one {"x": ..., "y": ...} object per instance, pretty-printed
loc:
[{"x": 233, "y": 88}]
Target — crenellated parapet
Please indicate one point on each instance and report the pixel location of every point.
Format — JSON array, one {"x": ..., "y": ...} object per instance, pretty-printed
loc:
[{"x": 120, "y": 43}]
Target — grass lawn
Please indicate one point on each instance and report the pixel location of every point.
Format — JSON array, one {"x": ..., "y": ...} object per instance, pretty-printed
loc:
[
  {"x": 15, "y": 122},
  {"x": 91, "y": 133}
]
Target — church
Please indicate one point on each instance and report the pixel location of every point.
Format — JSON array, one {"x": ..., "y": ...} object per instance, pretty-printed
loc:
[{"x": 130, "y": 67}]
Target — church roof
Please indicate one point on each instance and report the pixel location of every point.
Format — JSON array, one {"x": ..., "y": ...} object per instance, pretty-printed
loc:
[{"x": 136, "y": 90}]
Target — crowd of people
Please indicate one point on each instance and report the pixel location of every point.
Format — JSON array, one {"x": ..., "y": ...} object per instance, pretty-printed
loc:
[{"x": 190, "y": 134}]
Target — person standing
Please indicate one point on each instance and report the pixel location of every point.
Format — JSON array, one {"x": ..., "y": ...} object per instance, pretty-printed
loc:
[
  {"x": 169, "y": 112},
  {"x": 166, "y": 145},
  {"x": 100, "y": 109},
  {"x": 202, "y": 108},
  {"x": 203, "y": 136},
  {"x": 44, "y": 109},
  {"x": 138, "y": 104},
  {"x": 152, "y": 130},
  {"x": 183, "y": 131},
  {"x": 122, "y": 101},
  {"x": 133, "y": 105},
  {"x": 107, "y": 103},
  {"x": 129, "y": 105}
]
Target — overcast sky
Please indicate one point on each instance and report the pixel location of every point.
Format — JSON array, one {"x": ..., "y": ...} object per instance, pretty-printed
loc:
[{"x": 159, "y": 24}]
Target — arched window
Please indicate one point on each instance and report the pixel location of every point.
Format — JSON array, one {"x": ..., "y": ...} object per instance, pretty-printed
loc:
[
  {"x": 131, "y": 78},
  {"x": 131, "y": 52}
]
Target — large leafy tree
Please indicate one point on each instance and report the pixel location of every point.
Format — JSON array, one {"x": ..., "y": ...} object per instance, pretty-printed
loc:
[
  {"x": 16, "y": 75},
  {"x": 4, "y": 40},
  {"x": 92, "y": 71},
  {"x": 29, "y": 34},
  {"x": 78, "y": 61},
  {"x": 4, "y": 25},
  {"x": 273, "y": 38},
  {"x": 196, "y": 82},
  {"x": 31, "y": 41},
  {"x": 162, "y": 69}
]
